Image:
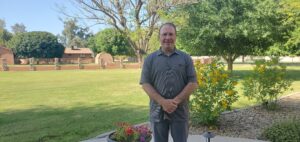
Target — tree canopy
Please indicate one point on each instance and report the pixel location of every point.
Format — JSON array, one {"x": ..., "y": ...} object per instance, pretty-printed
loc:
[
  {"x": 292, "y": 9},
  {"x": 110, "y": 41},
  {"x": 135, "y": 19},
  {"x": 2, "y": 24},
  {"x": 36, "y": 44},
  {"x": 231, "y": 28},
  {"x": 5, "y": 35},
  {"x": 18, "y": 28},
  {"x": 74, "y": 35}
]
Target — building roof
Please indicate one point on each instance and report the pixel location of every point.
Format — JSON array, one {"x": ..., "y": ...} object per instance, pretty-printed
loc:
[
  {"x": 78, "y": 51},
  {"x": 4, "y": 48}
]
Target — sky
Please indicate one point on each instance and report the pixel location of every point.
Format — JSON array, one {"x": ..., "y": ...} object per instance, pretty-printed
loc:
[{"x": 36, "y": 15}]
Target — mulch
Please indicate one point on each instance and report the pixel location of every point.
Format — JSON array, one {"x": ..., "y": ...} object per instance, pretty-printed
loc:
[{"x": 250, "y": 122}]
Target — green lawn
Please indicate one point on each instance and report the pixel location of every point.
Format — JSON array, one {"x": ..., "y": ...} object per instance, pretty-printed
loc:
[
  {"x": 77, "y": 105},
  {"x": 68, "y": 105}
]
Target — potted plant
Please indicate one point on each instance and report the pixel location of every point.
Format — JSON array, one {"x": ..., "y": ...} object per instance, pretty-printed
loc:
[{"x": 129, "y": 133}]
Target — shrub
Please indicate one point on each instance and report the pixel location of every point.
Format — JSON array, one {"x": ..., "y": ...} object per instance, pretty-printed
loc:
[
  {"x": 214, "y": 94},
  {"x": 288, "y": 131},
  {"x": 266, "y": 82}
]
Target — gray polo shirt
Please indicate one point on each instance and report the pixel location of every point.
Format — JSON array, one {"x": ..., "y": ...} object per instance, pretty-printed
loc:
[{"x": 168, "y": 75}]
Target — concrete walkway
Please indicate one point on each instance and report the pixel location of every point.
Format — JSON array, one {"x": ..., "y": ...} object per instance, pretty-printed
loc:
[{"x": 192, "y": 138}]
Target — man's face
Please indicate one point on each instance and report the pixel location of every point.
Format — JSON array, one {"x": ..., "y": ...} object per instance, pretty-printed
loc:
[{"x": 167, "y": 37}]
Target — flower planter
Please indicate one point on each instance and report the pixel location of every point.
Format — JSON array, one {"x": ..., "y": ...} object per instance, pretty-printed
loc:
[
  {"x": 108, "y": 137},
  {"x": 130, "y": 133}
]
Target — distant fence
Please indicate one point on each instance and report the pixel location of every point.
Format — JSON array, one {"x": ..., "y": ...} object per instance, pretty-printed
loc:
[
  {"x": 283, "y": 59},
  {"x": 69, "y": 67},
  {"x": 32, "y": 66},
  {"x": 49, "y": 61},
  {"x": 54, "y": 64},
  {"x": 251, "y": 59}
]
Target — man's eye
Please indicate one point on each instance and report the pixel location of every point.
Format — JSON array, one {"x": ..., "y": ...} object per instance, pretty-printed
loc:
[{"x": 167, "y": 34}]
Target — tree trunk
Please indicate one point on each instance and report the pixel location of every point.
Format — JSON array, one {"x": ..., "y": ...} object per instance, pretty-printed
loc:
[
  {"x": 230, "y": 65},
  {"x": 243, "y": 59},
  {"x": 139, "y": 58},
  {"x": 230, "y": 59}
]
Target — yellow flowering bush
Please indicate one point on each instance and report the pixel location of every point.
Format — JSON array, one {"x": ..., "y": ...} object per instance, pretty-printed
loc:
[
  {"x": 214, "y": 94},
  {"x": 266, "y": 82}
]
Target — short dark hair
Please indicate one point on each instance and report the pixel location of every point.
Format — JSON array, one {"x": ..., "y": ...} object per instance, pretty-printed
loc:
[{"x": 169, "y": 24}]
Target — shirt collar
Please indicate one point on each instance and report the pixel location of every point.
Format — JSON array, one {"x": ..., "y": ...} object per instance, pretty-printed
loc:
[{"x": 160, "y": 52}]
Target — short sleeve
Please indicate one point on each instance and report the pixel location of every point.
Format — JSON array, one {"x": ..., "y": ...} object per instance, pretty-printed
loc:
[{"x": 190, "y": 70}]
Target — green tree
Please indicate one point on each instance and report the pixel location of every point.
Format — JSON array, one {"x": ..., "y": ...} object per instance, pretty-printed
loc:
[
  {"x": 110, "y": 41},
  {"x": 74, "y": 35},
  {"x": 5, "y": 35},
  {"x": 69, "y": 31},
  {"x": 36, "y": 44},
  {"x": 292, "y": 9},
  {"x": 2, "y": 24},
  {"x": 231, "y": 28},
  {"x": 18, "y": 28}
]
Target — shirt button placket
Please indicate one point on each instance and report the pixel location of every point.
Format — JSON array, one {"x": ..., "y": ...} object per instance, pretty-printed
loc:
[{"x": 169, "y": 63}]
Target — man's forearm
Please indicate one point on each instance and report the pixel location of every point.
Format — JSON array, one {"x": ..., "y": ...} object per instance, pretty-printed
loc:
[
  {"x": 152, "y": 93},
  {"x": 186, "y": 92}
]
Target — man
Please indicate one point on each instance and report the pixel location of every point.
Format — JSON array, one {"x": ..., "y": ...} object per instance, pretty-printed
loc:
[{"x": 168, "y": 77}]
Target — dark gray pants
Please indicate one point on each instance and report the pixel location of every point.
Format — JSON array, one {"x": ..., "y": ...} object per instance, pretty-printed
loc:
[{"x": 179, "y": 130}]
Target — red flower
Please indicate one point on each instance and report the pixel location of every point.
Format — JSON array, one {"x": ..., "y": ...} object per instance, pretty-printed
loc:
[{"x": 129, "y": 131}]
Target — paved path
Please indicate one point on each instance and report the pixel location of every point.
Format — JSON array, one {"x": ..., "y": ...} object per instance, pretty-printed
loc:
[{"x": 192, "y": 138}]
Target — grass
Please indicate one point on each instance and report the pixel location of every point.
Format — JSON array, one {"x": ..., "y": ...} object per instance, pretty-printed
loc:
[
  {"x": 76, "y": 105},
  {"x": 68, "y": 105}
]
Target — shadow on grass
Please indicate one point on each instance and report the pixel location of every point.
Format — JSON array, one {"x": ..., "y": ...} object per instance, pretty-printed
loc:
[
  {"x": 242, "y": 74},
  {"x": 66, "y": 124},
  {"x": 294, "y": 75}
]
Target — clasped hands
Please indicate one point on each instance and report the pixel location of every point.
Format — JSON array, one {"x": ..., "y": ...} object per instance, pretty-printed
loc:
[{"x": 169, "y": 105}]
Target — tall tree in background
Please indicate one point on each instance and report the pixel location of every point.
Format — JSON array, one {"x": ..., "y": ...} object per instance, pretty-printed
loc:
[
  {"x": 18, "y": 28},
  {"x": 292, "y": 9},
  {"x": 74, "y": 35},
  {"x": 2, "y": 24},
  {"x": 292, "y": 47},
  {"x": 5, "y": 35},
  {"x": 231, "y": 28},
  {"x": 69, "y": 32},
  {"x": 136, "y": 19}
]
